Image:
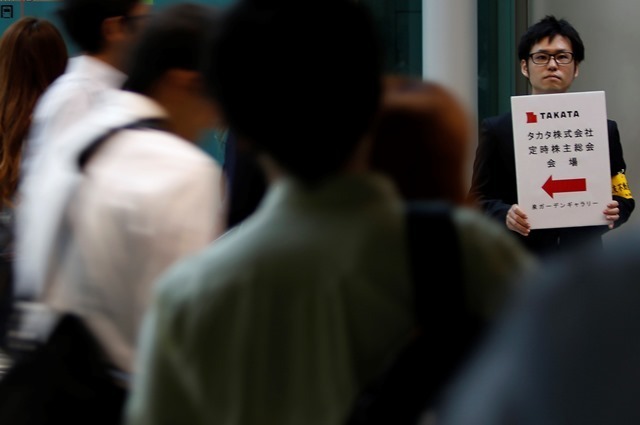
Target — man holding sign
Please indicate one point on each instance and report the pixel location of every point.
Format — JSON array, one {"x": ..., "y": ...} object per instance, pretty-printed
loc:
[{"x": 550, "y": 53}]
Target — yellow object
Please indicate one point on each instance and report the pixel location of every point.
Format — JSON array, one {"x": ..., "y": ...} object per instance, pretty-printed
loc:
[{"x": 620, "y": 187}]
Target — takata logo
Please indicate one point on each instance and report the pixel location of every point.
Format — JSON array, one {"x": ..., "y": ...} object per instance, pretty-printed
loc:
[{"x": 532, "y": 117}]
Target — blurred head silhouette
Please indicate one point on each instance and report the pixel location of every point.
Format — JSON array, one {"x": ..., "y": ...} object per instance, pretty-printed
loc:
[
  {"x": 103, "y": 29},
  {"x": 165, "y": 65},
  {"x": 299, "y": 81}
]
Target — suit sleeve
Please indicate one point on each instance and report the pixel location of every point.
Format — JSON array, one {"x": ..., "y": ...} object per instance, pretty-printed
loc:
[
  {"x": 621, "y": 191},
  {"x": 485, "y": 184},
  {"x": 246, "y": 181}
]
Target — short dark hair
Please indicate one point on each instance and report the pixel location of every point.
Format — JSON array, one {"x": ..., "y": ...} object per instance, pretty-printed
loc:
[
  {"x": 551, "y": 27},
  {"x": 173, "y": 38},
  {"x": 82, "y": 20},
  {"x": 299, "y": 80}
]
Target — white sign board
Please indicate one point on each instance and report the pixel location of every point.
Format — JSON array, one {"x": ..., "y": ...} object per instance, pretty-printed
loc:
[{"x": 561, "y": 149}]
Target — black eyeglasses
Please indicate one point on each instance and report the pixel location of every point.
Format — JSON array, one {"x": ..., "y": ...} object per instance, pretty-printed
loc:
[{"x": 542, "y": 58}]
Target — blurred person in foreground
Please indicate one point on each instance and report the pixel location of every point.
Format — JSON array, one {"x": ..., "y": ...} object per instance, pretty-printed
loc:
[
  {"x": 286, "y": 318},
  {"x": 130, "y": 193},
  {"x": 567, "y": 350},
  {"x": 32, "y": 55},
  {"x": 550, "y": 53},
  {"x": 104, "y": 31}
]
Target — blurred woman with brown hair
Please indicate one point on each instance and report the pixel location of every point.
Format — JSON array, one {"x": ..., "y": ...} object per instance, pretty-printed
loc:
[{"x": 32, "y": 55}]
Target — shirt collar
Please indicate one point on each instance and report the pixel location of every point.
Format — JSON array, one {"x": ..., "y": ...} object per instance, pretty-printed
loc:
[
  {"x": 96, "y": 70},
  {"x": 340, "y": 191}
]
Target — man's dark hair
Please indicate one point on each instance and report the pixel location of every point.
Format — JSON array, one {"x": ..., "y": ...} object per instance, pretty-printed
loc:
[
  {"x": 172, "y": 39},
  {"x": 299, "y": 80},
  {"x": 82, "y": 20},
  {"x": 551, "y": 27}
]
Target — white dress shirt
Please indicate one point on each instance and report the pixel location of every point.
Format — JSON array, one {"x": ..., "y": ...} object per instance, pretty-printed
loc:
[
  {"x": 67, "y": 100},
  {"x": 93, "y": 242}
]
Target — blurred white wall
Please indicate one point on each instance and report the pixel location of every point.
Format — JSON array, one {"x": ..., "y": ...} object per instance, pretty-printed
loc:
[
  {"x": 610, "y": 33},
  {"x": 450, "y": 46},
  {"x": 450, "y": 54}
]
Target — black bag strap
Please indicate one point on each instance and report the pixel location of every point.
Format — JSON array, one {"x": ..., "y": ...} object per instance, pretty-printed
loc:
[
  {"x": 433, "y": 242},
  {"x": 150, "y": 123},
  {"x": 18, "y": 308},
  {"x": 443, "y": 313},
  {"x": 88, "y": 151},
  {"x": 446, "y": 330}
]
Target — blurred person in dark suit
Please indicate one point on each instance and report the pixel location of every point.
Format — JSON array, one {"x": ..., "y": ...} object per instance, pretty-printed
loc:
[{"x": 245, "y": 180}]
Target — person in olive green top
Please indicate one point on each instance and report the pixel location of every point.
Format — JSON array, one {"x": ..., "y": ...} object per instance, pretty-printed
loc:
[{"x": 288, "y": 316}]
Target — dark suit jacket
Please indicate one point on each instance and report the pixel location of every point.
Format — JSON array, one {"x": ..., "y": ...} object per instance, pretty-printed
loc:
[
  {"x": 494, "y": 187},
  {"x": 246, "y": 182}
]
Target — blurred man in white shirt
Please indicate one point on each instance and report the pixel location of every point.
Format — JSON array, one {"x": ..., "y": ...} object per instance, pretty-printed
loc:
[
  {"x": 103, "y": 30},
  {"x": 120, "y": 209}
]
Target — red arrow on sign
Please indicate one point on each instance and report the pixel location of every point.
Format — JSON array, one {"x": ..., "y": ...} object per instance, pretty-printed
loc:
[{"x": 552, "y": 186}]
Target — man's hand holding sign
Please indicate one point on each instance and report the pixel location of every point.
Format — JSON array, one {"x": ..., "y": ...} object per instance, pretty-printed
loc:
[
  {"x": 561, "y": 150},
  {"x": 552, "y": 169}
]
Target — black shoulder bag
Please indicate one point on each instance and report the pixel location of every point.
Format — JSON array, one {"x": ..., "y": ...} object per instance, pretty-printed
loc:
[{"x": 446, "y": 330}]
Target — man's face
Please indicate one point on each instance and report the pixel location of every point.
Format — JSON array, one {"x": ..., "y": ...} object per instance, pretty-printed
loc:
[
  {"x": 136, "y": 18},
  {"x": 551, "y": 77},
  {"x": 128, "y": 29}
]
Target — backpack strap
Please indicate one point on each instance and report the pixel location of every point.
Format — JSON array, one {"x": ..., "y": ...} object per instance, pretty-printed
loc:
[
  {"x": 32, "y": 294},
  {"x": 433, "y": 242},
  {"x": 445, "y": 329},
  {"x": 30, "y": 321},
  {"x": 446, "y": 323},
  {"x": 91, "y": 148}
]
